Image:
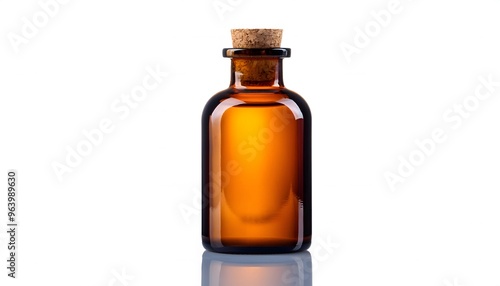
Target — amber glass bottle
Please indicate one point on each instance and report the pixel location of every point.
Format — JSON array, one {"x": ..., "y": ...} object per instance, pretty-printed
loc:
[{"x": 256, "y": 156}]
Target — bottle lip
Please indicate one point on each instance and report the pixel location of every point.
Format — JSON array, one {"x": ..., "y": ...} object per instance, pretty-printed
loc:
[{"x": 253, "y": 52}]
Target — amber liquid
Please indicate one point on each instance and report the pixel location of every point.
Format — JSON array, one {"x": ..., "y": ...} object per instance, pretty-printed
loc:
[{"x": 256, "y": 172}]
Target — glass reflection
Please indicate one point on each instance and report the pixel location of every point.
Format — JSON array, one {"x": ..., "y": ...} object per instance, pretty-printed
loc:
[{"x": 293, "y": 269}]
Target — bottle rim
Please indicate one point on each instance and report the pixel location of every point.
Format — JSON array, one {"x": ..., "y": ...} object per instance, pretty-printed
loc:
[{"x": 255, "y": 52}]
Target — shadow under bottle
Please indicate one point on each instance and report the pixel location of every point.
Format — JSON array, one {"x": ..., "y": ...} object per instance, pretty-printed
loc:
[{"x": 293, "y": 269}]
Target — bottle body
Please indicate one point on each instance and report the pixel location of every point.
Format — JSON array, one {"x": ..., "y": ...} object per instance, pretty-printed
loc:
[{"x": 256, "y": 171}]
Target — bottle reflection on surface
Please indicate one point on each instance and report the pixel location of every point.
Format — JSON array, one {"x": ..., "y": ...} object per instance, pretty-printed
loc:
[{"x": 293, "y": 269}]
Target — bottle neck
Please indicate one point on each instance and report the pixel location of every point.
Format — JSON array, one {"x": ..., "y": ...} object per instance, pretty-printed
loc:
[{"x": 257, "y": 73}]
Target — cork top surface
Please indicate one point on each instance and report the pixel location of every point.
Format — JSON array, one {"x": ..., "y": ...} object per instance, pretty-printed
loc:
[{"x": 256, "y": 38}]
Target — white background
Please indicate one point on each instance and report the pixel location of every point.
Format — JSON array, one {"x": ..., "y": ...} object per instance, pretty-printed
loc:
[{"x": 120, "y": 207}]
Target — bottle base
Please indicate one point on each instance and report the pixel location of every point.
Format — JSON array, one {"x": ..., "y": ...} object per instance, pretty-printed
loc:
[{"x": 257, "y": 249}]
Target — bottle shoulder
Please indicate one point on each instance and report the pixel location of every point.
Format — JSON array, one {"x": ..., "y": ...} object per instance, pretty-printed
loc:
[{"x": 231, "y": 97}]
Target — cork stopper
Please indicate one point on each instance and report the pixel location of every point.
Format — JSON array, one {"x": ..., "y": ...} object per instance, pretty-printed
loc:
[
  {"x": 256, "y": 38},
  {"x": 256, "y": 71}
]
